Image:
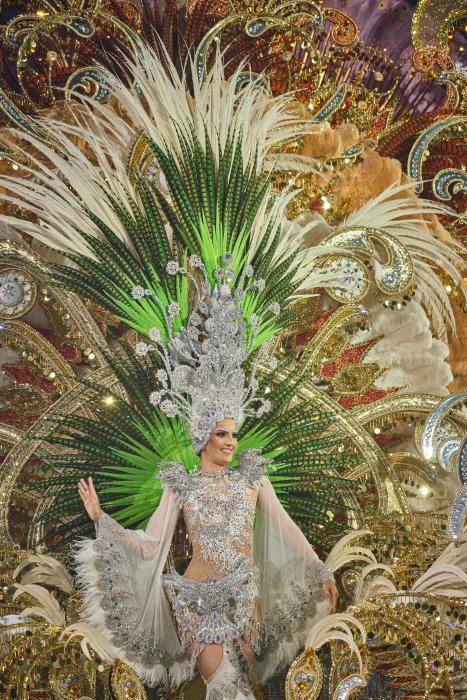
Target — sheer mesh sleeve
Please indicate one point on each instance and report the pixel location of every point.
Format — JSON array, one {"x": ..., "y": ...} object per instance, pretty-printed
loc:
[
  {"x": 142, "y": 543},
  {"x": 291, "y": 577},
  {"x": 290, "y": 533},
  {"x": 120, "y": 579}
]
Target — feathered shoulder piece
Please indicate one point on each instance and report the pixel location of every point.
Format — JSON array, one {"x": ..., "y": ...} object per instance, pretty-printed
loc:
[
  {"x": 252, "y": 465},
  {"x": 176, "y": 477}
]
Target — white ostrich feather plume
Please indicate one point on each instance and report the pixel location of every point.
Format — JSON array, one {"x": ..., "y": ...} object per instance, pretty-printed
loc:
[
  {"x": 336, "y": 627},
  {"x": 91, "y": 639},
  {"x": 161, "y": 106},
  {"x": 398, "y": 214},
  {"x": 443, "y": 579},
  {"x": 405, "y": 350},
  {"x": 448, "y": 574},
  {"x": 376, "y": 585},
  {"x": 50, "y": 609},
  {"x": 344, "y": 552},
  {"x": 48, "y": 571},
  {"x": 156, "y": 100}
]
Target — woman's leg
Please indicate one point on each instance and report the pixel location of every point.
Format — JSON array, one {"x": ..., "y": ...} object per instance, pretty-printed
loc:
[
  {"x": 224, "y": 670},
  {"x": 209, "y": 659}
]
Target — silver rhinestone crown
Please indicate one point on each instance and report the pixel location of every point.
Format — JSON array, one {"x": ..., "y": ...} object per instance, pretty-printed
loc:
[{"x": 202, "y": 380}]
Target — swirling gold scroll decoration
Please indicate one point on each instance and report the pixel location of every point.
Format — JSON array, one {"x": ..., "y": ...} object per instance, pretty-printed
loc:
[
  {"x": 57, "y": 47},
  {"x": 344, "y": 30},
  {"x": 449, "y": 181},
  {"x": 284, "y": 17},
  {"x": 432, "y": 20},
  {"x": 304, "y": 678},
  {"x": 394, "y": 278},
  {"x": 419, "y": 150}
]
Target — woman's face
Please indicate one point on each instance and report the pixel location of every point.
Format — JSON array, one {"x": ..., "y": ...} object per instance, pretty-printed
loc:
[{"x": 222, "y": 443}]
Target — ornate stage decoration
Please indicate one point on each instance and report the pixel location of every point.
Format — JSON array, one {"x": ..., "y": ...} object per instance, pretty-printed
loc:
[{"x": 381, "y": 348}]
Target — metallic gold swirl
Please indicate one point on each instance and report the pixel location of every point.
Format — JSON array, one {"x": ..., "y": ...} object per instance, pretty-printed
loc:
[
  {"x": 393, "y": 278},
  {"x": 19, "y": 118},
  {"x": 375, "y": 462},
  {"x": 32, "y": 34},
  {"x": 447, "y": 24},
  {"x": 347, "y": 687},
  {"x": 428, "y": 58},
  {"x": 396, "y": 403},
  {"x": 345, "y": 30},
  {"x": 449, "y": 178},
  {"x": 340, "y": 318},
  {"x": 432, "y": 20},
  {"x": 419, "y": 150},
  {"x": 284, "y": 16},
  {"x": 456, "y": 90},
  {"x": 305, "y": 677},
  {"x": 91, "y": 80},
  {"x": 332, "y": 105}
]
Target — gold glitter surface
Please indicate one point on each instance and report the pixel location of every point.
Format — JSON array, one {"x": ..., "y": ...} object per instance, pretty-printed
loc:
[
  {"x": 304, "y": 678},
  {"x": 432, "y": 19}
]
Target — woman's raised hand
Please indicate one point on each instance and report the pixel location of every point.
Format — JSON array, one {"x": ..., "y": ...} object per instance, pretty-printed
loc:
[{"x": 90, "y": 498}]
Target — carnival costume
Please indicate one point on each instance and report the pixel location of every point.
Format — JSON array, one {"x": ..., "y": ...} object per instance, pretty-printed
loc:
[
  {"x": 258, "y": 583},
  {"x": 261, "y": 584},
  {"x": 169, "y": 216}
]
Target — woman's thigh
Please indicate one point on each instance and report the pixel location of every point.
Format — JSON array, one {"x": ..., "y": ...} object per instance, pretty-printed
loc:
[{"x": 211, "y": 657}]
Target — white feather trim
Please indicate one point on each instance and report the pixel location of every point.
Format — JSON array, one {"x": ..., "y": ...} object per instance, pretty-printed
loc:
[
  {"x": 155, "y": 101},
  {"x": 448, "y": 574},
  {"x": 365, "y": 589},
  {"x": 411, "y": 359},
  {"x": 91, "y": 638},
  {"x": 93, "y": 615},
  {"x": 333, "y": 627}
]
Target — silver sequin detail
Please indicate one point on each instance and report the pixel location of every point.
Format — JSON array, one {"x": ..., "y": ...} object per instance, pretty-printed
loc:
[
  {"x": 214, "y": 612},
  {"x": 118, "y": 601},
  {"x": 219, "y": 519},
  {"x": 203, "y": 381}
]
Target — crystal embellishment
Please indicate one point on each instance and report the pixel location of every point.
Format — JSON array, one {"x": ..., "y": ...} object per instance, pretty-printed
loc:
[{"x": 202, "y": 380}]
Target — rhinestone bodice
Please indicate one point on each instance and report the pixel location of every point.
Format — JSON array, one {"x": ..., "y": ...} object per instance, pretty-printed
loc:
[{"x": 219, "y": 511}]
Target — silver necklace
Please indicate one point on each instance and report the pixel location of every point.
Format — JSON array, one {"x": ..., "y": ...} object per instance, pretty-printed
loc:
[{"x": 218, "y": 472}]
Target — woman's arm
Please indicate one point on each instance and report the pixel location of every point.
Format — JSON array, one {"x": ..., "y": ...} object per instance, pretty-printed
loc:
[{"x": 142, "y": 543}]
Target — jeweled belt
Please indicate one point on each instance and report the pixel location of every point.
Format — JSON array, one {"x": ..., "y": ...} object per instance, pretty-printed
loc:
[{"x": 212, "y": 599}]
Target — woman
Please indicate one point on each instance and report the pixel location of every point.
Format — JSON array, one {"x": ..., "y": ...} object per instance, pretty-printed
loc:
[{"x": 249, "y": 595}]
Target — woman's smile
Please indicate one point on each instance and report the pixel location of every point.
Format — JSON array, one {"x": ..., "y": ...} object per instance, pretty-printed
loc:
[{"x": 221, "y": 445}]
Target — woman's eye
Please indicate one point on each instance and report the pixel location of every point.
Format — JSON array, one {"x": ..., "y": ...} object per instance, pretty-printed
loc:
[
  {"x": 235, "y": 435},
  {"x": 221, "y": 433}
]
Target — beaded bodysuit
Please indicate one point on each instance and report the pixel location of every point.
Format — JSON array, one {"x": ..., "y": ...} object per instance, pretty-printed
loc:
[
  {"x": 219, "y": 509},
  {"x": 216, "y": 601}
]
